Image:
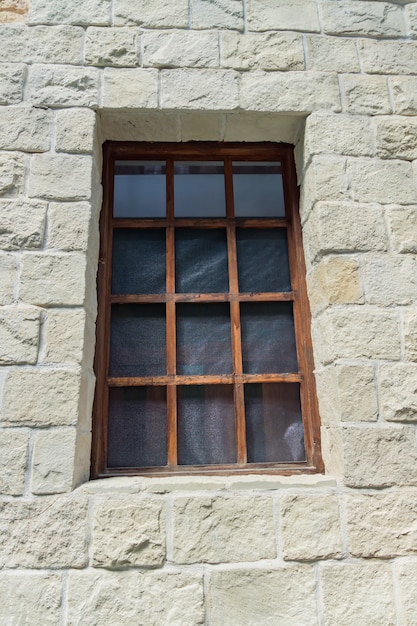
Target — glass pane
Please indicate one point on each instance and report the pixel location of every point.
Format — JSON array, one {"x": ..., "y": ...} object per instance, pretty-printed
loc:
[
  {"x": 137, "y": 340},
  {"x": 203, "y": 339},
  {"x": 199, "y": 189},
  {"x": 257, "y": 189},
  {"x": 139, "y": 189},
  {"x": 262, "y": 257},
  {"x": 274, "y": 428},
  {"x": 268, "y": 338},
  {"x": 206, "y": 425},
  {"x": 138, "y": 261},
  {"x": 201, "y": 261},
  {"x": 137, "y": 427}
]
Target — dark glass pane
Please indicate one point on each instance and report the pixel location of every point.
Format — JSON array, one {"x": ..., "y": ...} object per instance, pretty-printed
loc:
[
  {"x": 262, "y": 257},
  {"x": 199, "y": 189},
  {"x": 137, "y": 427},
  {"x": 274, "y": 428},
  {"x": 137, "y": 340},
  {"x": 139, "y": 189},
  {"x": 257, "y": 190},
  {"x": 206, "y": 425},
  {"x": 138, "y": 261},
  {"x": 201, "y": 261},
  {"x": 268, "y": 338},
  {"x": 203, "y": 339}
]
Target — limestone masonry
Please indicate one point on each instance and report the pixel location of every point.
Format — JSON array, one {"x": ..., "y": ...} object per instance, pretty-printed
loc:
[{"x": 336, "y": 78}]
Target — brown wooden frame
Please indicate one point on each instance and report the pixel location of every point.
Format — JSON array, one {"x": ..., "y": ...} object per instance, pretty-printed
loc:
[{"x": 205, "y": 151}]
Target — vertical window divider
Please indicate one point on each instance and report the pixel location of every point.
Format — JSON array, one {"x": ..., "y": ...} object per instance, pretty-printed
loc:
[{"x": 171, "y": 319}]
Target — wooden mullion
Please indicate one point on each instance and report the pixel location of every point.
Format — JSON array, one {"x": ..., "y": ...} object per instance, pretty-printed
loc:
[
  {"x": 196, "y": 222},
  {"x": 285, "y": 296},
  {"x": 213, "y": 379}
]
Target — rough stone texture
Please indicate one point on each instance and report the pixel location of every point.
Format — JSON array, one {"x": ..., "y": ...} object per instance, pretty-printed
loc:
[
  {"x": 25, "y": 128},
  {"x": 269, "y": 51},
  {"x": 338, "y": 134},
  {"x": 53, "y": 461},
  {"x": 13, "y": 459},
  {"x": 335, "y": 280},
  {"x": 367, "y": 592},
  {"x": 151, "y": 598},
  {"x": 54, "y": 44},
  {"x": 313, "y": 536},
  {"x": 403, "y": 228},
  {"x": 19, "y": 334},
  {"x": 397, "y": 138},
  {"x": 281, "y": 15},
  {"x": 30, "y": 598},
  {"x": 180, "y": 49},
  {"x": 117, "y": 47},
  {"x": 151, "y": 13},
  {"x": 213, "y": 530},
  {"x": 14, "y": 39},
  {"x": 47, "y": 532},
  {"x": 54, "y": 279},
  {"x": 387, "y": 182},
  {"x": 63, "y": 86},
  {"x": 69, "y": 226},
  {"x": 217, "y": 14},
  {"x": 41, "y": 398},
  {"x": 199, "y": 89},
  {"x": 7, "y": 278},
  {"x": 75, "y": 131},
  {"x": 365, "y": 18},
  {"x": 380, "y": 457},
  {"x": 388, "y": 57},
  {"x": 64, "y": 333},
  {"x": 60, "y": 177},
  {"x": 130, "y": 88},
  {"x": 289, "y": 91},
  {"x": 22, "y": 224},
  {"x": 129, "y": 533},
  {"x": 382, "y": 525},
  {"x": 332, "y": 54},
  {"x": 11, "y": 83},
  {"x": 404, "y": 91},
  {"x": 70, "y": 12},
  {"x": 13, "y": 11},
  {"x": 390, "y": 280},
  {"x": 410, "y": 334},
  {"x": 398, "y": 392},
  {"x": 365, "y": 95},
  {"x": 262, "y": 596},
  {"x": 407, "y": 578},
  {"x": 357, "y": 393},
  {"x": 12, "y": 166}
]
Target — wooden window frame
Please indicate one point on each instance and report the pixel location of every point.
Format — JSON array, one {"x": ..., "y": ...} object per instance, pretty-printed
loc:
[{"x": 298, "y": 296}]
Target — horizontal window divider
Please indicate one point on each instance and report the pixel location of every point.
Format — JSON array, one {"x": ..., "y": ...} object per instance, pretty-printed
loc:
[
  {"x": 284, "y": 296},
  {"x": 284, "y": 469},
  {"x": 138, "y": 222},
  {"x": 225, "y": 379}
]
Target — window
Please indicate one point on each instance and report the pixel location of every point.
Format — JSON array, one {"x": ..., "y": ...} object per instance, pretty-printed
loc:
[{"x": 203, "y": 358}]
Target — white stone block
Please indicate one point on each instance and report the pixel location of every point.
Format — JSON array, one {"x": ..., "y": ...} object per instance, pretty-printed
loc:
[
  {"x": 260, "y": 596},
  {"x": 396, "y": 137},
  {"x": 335, "y": 280},
  {"x": 387, "y": 182},
  {"x": 22, "y": 224},
  {"x": 282, "y": 15},
  {"x": 41, "y": 398},
  {"x": 407, "y": 580},
  {"x": 388, "y": 57},
  {"x": 411, "y": 13},
  {"x": 137, "y": 125},
  {"x": 164, "y": 598},
  {"x": 410, "y": 334},
  {"x": 46, "y": 532},
  {"x": 75, "y": 131},
  {"x": 19, "y": 334},
  {"x": 262, "y": 127},
  {"x": 13, "y": 42},
  {"x": 129, "y": 532},
  {"x": 130, "y": 88},
  {"x": 350, "y": 135},
  {"x": 203, "y": 126},
  {"x": 12, "y": 171},
  {"x": 54, "y": 44},
  {"x": 63, "y": 86},
  {"x": 151, "y": 13},
  {"x": 390, "y": 280},
  {"x": 64, "y": 333},
  {"x": 369, "y": 18},
  {"x": 53, "y": 461},
  {"x": 60, "y": 177},
  {"x": 69, "y": 226},
  {"x": 365, "y": 95},
  {"x": 219, "y": 530},
  {"x": 289, "y": 91},
  {"x": 180, "y": 48},
  {"x": 11, "y": 83},
  {"x": 199, "y": 89},
  {"x": 358, "y": 593},
  {"x": 30, "y": 598},
  {"x": 404, "y": 91},
  {"x": 217, "y": 14},
  {"x": 83, "y": 12},
  {"x": 25, "y": 128},
  {"x": 8, "y": 268},
  {"x": 398, "y": 392},
  {"x": 331, "y": 54},
  {"x": 403, "y": 228},
  {"x": 13, "y": 459},
  {"x": 265, "y": 51},
  {"x": 117, "y": 47}
]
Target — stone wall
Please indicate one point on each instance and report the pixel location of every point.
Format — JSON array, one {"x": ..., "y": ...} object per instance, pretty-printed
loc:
[{"x": 338, "y": 79}]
